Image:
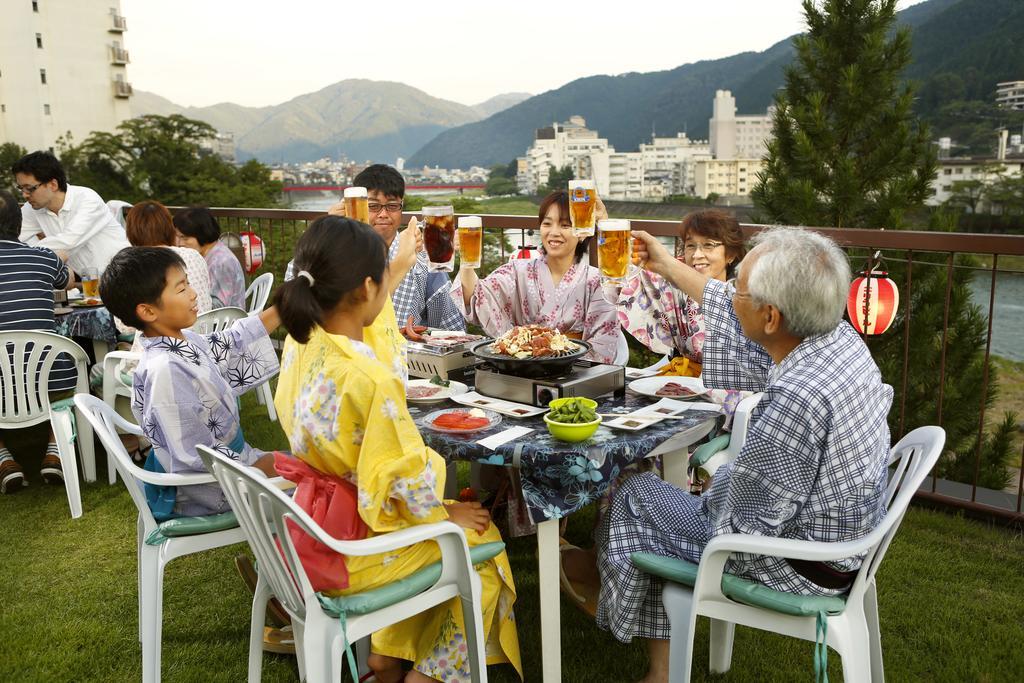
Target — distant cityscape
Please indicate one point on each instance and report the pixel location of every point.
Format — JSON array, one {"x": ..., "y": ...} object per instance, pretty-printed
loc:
[{"x": 36, "y": 109}]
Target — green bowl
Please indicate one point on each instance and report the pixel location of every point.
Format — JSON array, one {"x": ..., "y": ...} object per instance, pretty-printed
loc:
[{"x": 572, "y": 431}]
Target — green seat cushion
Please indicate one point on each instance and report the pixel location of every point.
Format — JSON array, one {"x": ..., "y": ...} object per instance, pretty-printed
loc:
[
  {"x": 407, "y": 587},
  {"x": 741, "y": 590},
  {"x": 705, "y": 451},
  {"x": 191, "y": 526}
]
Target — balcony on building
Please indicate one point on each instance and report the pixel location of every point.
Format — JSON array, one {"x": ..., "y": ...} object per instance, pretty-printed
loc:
[
  {"x": 122, "y": 89},
  {"x": 118, "y": 24},
  {"x": 118, "y": 55}
]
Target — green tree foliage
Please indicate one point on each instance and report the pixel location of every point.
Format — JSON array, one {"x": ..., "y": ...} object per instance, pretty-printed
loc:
[
  {"x": 160, "y": 157},
  {"x": 10, "y": 152},
  {"x": 973, "y": 125},
  {"x": 849, "y": 152},
  {"x": 847, "y": 149},
  {"x": 498, "y": 183},
  {"x": 967, "y": 194},
  {"x": 558, "y": 178}
]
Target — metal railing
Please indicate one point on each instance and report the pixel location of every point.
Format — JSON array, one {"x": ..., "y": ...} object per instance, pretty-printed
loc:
[{"x": 919, "y": 253}]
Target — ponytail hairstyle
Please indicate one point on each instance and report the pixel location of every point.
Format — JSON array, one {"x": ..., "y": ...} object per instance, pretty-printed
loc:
[{"x": 337, "y": 254}]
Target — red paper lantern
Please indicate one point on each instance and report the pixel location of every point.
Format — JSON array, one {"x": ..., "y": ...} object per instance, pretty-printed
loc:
[
  {"x": 252, "y": 248},
  {"x": 526, "y": 251},
  {"x": 872, "y": 302}
]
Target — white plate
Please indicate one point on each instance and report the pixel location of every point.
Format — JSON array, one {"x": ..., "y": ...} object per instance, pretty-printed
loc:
[
  {"x": 428, "y": 421},
  {"x": 649, "y": 386},
  {"x": 498, "y": 405},
  {"x": 453, "y": 389},
  {"x": 648, "y": 415}
]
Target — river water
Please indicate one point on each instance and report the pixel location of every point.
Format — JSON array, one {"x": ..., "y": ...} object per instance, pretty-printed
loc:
[{"x": 1008, "y": 323}]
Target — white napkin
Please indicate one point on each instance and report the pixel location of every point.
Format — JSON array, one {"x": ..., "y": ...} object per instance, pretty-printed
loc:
[
  {"x": 74, "y": 293},
  {"x": 494, "y": 440}
]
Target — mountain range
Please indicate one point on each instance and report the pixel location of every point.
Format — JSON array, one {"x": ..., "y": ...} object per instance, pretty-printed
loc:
[
  {"x": 362, "y": 119},
  {"x": 977, "y": 39},
  {"x": 961, "y": 49}
]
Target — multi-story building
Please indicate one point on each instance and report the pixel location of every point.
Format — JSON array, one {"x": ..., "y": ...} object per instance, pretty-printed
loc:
[
  {"x": 737, "y": 137},
  {"x": 221, "y": 144},
  {"x": 669, "y": 165},
  {"x": 556, "y": 146},
  {"x": 62, "y": 70},
  {"x": 726, "y": 177},
  {"x": 1010, "y": 95},
  {"x": 986, "y": 170}
]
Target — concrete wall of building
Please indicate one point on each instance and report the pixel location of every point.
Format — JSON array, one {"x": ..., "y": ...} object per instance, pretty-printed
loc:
[{"x": 77, "y": 56}]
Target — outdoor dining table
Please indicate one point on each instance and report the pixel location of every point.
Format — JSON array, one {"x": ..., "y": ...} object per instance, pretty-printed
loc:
[
  {"x": 559, "y": 478},
  {"x": 92, "y": 322}
]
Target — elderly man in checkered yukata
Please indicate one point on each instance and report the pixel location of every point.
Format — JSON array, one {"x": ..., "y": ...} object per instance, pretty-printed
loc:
[{"x": 813, "y": 465}]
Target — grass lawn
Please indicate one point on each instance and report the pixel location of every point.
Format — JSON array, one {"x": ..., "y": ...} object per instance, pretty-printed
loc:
[{"x": 951, "y": 593}]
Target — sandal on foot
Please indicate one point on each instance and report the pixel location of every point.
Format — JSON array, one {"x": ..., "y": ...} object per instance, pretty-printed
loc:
[
  {"x": 584, "y": 596},
  {"x": 50, "y": 469},
  {"x": 279, "y": 640},
  {"x": 12, "y": 478}
]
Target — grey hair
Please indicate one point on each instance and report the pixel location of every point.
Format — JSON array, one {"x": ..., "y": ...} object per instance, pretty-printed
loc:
[{"x": 803, "y": 274}]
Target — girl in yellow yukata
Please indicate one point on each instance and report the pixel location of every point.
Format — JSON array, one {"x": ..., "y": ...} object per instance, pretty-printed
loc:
[{"x": 345, "y": 415}]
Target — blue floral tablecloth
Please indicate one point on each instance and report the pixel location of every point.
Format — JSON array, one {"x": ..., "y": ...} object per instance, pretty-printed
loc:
[
  {"x": 93, "y": 323},
  {"x": 559, "y": 478}
]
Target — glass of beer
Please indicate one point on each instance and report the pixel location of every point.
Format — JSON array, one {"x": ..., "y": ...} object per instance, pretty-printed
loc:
[
  {"x": 614, "y": 247},
  {"x": 471, "y": 237},
  {"x": 356, "y": 206},
  {"x": 582, "y": 207},
  {"x": 439, "y": 237},
  {"x": 90, "y": 283}
]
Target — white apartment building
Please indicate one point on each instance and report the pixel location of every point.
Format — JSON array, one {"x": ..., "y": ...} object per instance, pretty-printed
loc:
[
  {"x": 726, "y": 177},
  {"x": 669, "y": 165},
  {"x": 984, "y": 169},
  {"x": 1010, "y": 94},
  {"x": 737, "y": 137},
  {"x": 662, "y": 167},
  {"x": 556, "y": 146},
  {"x": 62, "y": 70}
]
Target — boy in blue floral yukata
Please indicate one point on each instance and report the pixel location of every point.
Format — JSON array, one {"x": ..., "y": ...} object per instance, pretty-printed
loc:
[{"x": 186, "y": 385}]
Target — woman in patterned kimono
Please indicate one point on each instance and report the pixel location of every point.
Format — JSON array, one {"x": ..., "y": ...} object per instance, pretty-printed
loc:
[
  {"x": 660, "y": 316},
  {"x": 558, "y": 290},
  {"x": 345, "y": 416}
]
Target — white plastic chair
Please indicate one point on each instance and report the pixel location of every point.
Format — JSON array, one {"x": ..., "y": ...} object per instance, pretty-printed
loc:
[
  {"x": 114, "y": 386},
  {"x": 220, "y": 318},
  {"x": 217, "y": 319},
  {"x": 725, "y": 448},
  {"x": 264, "y": 512},
  {"x": 259, "y": 292},
  {"x": 852, "y": 627},
  {"x": 153, "y": 556},
  {"x": 26, "y": 401}
]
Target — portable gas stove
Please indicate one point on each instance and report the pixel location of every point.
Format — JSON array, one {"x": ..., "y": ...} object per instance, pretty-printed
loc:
[
  {"x": 445, "y": 354},
  {"x": 585, "y": 378}
]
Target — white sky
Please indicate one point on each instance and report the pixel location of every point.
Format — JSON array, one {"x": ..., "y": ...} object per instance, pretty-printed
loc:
[{"x": 258, "y": 52}]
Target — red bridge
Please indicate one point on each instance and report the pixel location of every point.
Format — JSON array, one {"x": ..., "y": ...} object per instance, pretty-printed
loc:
[{"x": 408, "y": 188}]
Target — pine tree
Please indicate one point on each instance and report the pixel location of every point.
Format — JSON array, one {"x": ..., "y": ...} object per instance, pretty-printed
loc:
[
  {"x": 849, "y": 152},
  {"x": 847, "y": 148}
]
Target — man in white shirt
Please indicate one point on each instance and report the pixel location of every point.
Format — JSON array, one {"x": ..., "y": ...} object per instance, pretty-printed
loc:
[{"x": 71, "y": 220}]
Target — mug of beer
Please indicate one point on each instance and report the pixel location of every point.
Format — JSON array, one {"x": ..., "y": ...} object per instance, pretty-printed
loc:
[
  {"x": 614, "y": 246},
  {"x": 439, "y": 237},
  {"x": 356, "y": 206},
  {"x": 90, "y": 283},
  {"x": 471, "y": 234},
  {"x": 582, "y": 207}
]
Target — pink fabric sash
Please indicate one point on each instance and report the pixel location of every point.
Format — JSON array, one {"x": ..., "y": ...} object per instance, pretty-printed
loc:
[{"x": 332, "y": 503}]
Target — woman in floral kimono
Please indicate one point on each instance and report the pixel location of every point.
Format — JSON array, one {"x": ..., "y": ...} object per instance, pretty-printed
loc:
[
  {"x": 558, "y": 290},
  {"x": 660, "y": 316},
  {"x": 345, "y": 416}
]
